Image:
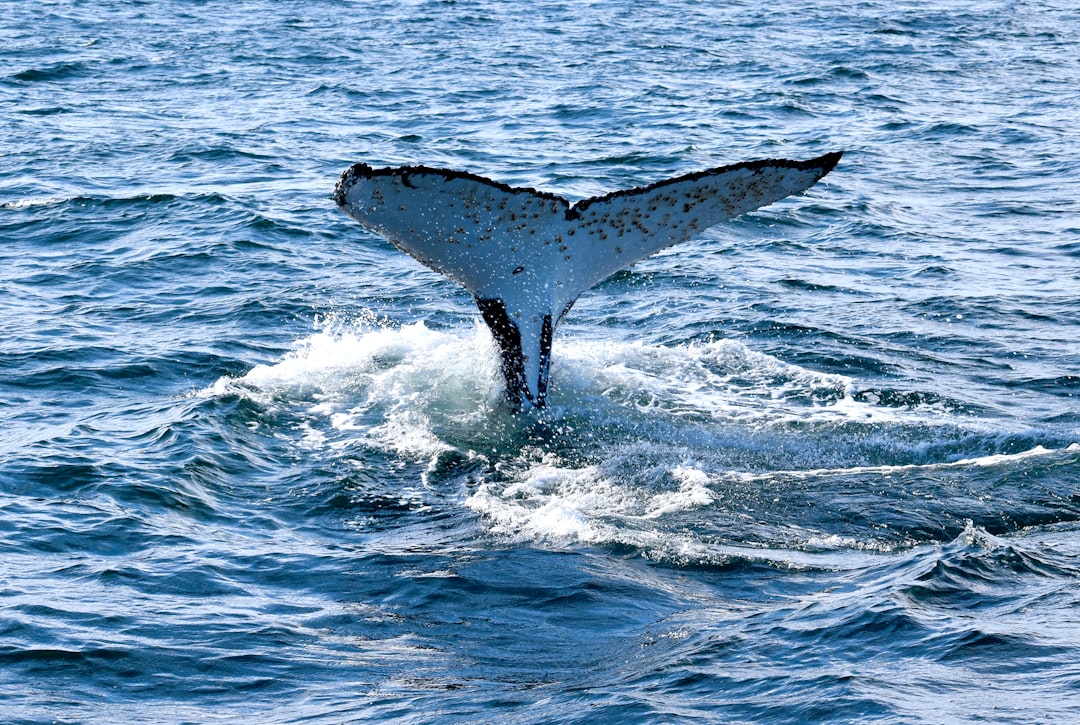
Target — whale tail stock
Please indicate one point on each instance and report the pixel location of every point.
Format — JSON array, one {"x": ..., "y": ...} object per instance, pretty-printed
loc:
[{"x": 527, "y": 255}]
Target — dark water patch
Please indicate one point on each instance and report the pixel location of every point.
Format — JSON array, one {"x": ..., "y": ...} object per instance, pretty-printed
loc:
[
  {"x": 121, "y": 483},
  {"x": 42, "y": 659},
  {"x": 895, "y": 28},
  {"x": 999, "y": 653},
  {"x": 807, "y": 286},
  {"x": 58, "y": 211},
  {"x": 1067, "y": 386},
  {"x": 53, "y": 72},
  {"x": 84, "y": 376},
  {"x": 1031, "y": 314},
  {"x": 270, "y": 228},
  {"x": 857, "y": 365},
  {"x": 988, "y": 311},
  {"x": 70, "y": 476},
  {"x": 1061, "y": 421},
  {"x": 832, "y": 75},
  {"x": 47, "y": 531},
  {"x": 45, "y": 110},
  {"x": 1071, "y": 249},
  {"x": 167, "y": 580},
  {"x": 944, "y": 130},
  {"x": 218, "y": 154},
  {"x": 822, "y": 350},
  {"x": 932, "y": 271},
  {"x": 877, "y": 627},
  {"x": 370, "y": 507},
  {"x": 136, "y": 671},
  {"x": 130, "y": 371},
  {"x": 191, "y": 494},
  {"x": 999, "y": 576}
]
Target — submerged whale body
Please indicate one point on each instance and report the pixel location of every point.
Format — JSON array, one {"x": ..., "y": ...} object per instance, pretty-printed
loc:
[{"x": 527, "y": 255}]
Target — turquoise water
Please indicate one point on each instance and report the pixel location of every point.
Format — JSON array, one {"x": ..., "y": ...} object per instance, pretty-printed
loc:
[{"x": 820, "y": 464}]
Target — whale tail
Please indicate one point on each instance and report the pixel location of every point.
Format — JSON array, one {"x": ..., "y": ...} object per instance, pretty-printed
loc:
[{"x": 527, "y": 255}]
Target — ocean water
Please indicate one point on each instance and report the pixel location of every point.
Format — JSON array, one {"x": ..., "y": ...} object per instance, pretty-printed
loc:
[{"x": 821, "y": 464}]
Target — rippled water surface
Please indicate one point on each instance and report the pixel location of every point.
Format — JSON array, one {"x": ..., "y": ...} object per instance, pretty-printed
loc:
[{"x": 820, "y": 464}]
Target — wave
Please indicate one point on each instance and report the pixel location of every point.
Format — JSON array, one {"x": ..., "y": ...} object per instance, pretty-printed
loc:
[
  {"x": 52, "y": 72},
  {"x": 135, "y": 198}
]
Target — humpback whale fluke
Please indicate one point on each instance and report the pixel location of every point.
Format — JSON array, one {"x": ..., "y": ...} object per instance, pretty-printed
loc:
[{"x": 527, "y": 255}]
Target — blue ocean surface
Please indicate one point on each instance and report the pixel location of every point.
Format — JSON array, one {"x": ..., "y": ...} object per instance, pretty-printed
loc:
[{"x": 819, "y": 464}]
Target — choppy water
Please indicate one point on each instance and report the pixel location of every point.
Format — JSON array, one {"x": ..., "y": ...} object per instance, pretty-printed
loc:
[{"x": 822, "y": 464}]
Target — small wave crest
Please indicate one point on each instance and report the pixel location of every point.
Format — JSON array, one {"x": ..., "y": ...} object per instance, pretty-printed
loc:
[{"x": 29, "y": 203}]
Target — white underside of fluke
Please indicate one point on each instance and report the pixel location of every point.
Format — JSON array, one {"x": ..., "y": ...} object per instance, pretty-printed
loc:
[{"x": 527, "y": 255}]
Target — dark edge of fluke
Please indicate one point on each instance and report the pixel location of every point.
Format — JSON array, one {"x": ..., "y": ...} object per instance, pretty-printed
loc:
[
  {"x": 825, "y": 163},
  {"x": 363, "y": 170}
]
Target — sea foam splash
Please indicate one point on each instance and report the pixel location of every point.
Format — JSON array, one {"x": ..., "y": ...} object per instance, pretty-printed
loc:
[
  {"x": 358, "y": 374},
  {"x": 368, "y": 382},
  {"x": 638, "y": 437}
]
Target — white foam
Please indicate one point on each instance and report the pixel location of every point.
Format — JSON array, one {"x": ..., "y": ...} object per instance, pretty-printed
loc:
[
  {"x": 693, "y": 492},
  {"x": 546, "y": 502},
  {"x": 1005, "y": 458},
  {"x": 29, "y": 203},
  {"x": 381, "y": 384},
  {"x": 559, "y": 504},
  {"x": 649, "y": 437},
  {"x": 998, "y": 459},
  {"x": 722, "y": 379}
]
